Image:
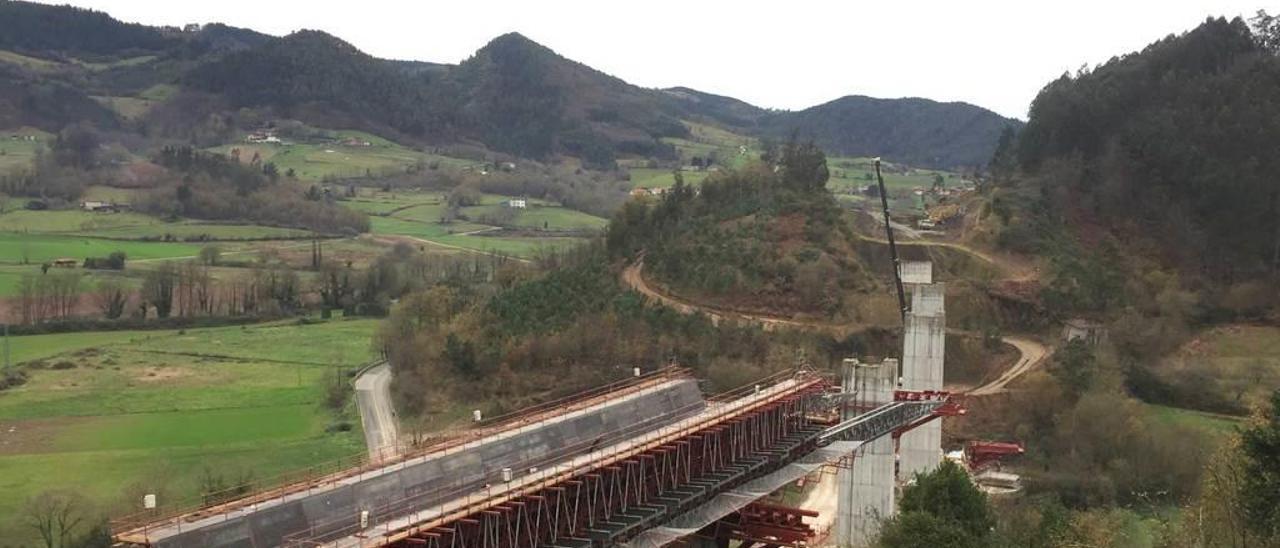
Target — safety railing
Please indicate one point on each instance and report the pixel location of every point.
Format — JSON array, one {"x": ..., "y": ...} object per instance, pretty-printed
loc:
[
  {"x": 175, "y": 518},
  {"x": 420, "y": 511}
]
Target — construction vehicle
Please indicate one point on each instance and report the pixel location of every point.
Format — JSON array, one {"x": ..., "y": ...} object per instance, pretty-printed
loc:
[
  {"x": 980, "y": 455},
  {"x": 942, "y": 213}
]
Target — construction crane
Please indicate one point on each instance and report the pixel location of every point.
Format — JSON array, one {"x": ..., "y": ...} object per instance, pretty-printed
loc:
[{"x": 893, "y": 247}]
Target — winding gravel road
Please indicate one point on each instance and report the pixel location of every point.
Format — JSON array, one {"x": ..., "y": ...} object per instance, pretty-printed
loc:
[{"x": 1032, "y": 352}]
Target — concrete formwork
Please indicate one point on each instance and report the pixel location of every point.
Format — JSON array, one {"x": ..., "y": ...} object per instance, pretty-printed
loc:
[
  {"x": 434, "y": 478},
  {"x": 916, "y": 272},
  {"x": 866, "y": 490},
  {"x": 923, "y": 347}
]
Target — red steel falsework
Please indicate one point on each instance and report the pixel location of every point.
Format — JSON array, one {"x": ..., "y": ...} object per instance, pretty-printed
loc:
[
  {"x": 765, "y": 525},
  {"x": 611, "y": 500}
]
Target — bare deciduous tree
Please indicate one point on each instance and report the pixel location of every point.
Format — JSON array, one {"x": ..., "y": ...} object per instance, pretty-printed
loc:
[
  {"x": 111, "y": 298},
  {"x": 55, "y": 515}
]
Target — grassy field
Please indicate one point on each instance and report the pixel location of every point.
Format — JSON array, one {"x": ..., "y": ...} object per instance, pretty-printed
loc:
[
  {"x": 645, "y": 177},
  {"x": 159, "y": 92},
  {"x": 133, "y": 225},
  {"x": 706, "y": 141},
  {"x": 103, "y": 193},
  {"x": 703, "y": 142},
  {"x": 204, "y": 231},
  {"x": 419, "y": 215},
  {"x": 852, "y": 173},
  {"x": 542, "y": 217},
  {"x": 455, "y": 235},
  {"x": 1208, "y": 422},
  {"x": 38, "y": 248},
  {"x": 382, "y": 203},
  {"x": 129, "y": 108},
  {"x": 314, "y": 161},
  {"x": 16, "y": 150},
  {"x": 70, "y": 220},
  {"x": 116, "y": 413},
  {"x": 30, "y": 63},
  {"x": 1236, "y": 360},
  {"x": 30, "y": 238}
]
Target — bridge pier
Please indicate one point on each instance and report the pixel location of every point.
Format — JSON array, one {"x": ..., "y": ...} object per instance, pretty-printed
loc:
[
  {"x": 866, "y": 489},
  {"x": 923, "y": 348}
]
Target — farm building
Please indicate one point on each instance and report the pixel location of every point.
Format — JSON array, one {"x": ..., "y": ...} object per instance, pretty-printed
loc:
[
  {"x": 260, "y": 137},
  {"x": 642, "y": 191},
  {"x": 518, "y": 203},
  {"x": 1088, "y": 331}
]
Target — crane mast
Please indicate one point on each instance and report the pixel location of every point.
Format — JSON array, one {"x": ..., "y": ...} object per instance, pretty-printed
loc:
[{"x": 893, "y": 247}]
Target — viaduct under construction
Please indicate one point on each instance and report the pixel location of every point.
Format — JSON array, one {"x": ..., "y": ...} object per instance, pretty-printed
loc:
[
  {"x": 642, "y": 463},
  {"x": 646, "y": 462}
]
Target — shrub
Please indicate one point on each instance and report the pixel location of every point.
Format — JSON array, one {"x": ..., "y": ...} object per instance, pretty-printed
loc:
[
  {"x": 114, "y": 261},
  {"x": 12, "y": 377}
]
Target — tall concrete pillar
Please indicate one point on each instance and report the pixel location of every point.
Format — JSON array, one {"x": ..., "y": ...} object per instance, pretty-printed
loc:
[
  {"x": 923, "y": 347},
  {"x": 866, "y": 491}
]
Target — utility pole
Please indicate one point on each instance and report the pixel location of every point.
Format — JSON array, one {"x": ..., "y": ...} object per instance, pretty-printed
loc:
[
  {"x": 893, "y": 247},
  {"x": 6, "y": 347}
]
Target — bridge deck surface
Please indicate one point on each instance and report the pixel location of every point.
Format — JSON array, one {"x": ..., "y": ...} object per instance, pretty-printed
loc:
[
  {"x": 404, "y": 526},
  {"x": 174, "y": 527}
]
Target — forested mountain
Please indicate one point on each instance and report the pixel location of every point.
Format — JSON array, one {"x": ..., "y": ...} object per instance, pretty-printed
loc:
[
  {"x": 512, "y": 96},
  {"x": 1172, "y": 147},
  {"x": 519, "y": 96},
  {"x": 313, "y": 69},
  {"x": 26, "y": 26},
  {"x": 913, "y": 131}
]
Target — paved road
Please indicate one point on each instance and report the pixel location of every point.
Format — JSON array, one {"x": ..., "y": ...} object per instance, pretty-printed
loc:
[{"x": 373, "y": 399}]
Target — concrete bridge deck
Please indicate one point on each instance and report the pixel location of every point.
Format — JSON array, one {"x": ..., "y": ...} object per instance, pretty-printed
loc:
[
  {"x": 637, "y": 464},
  {"x": 548, "y": 434},
  {"x": 423, "y": 518}
]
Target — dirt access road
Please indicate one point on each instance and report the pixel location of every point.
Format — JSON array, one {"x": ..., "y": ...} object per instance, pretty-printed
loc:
[{"x": 1032, "y": 353}]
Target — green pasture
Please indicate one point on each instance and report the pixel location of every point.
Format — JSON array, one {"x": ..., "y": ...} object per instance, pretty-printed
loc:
[
  {"x": 852, "y": 173},
  {"x": 27, "y": 62},
  {"x": 419, "y": 214},
  {"x": 315, "y": 161},
  {"x": 646, "y": 177},
  {"x": 17, "y": 248},
  {"x": 1208, "y": 422},
  {"x": 70, "y": 220},
  {"x": 130, "y": 108},
  {"x": 103, "y": 193},
  {"x": 1237, "y": 361},
  {"x": 16, "y": 150},
  {"x": 115, "y": 414},
  {"x": 203, "y": 231},
  {"x": 558, "y": 218}
]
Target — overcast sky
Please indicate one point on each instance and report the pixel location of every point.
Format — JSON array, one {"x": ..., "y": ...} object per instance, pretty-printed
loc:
[{"x": 787, "y": 55}]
